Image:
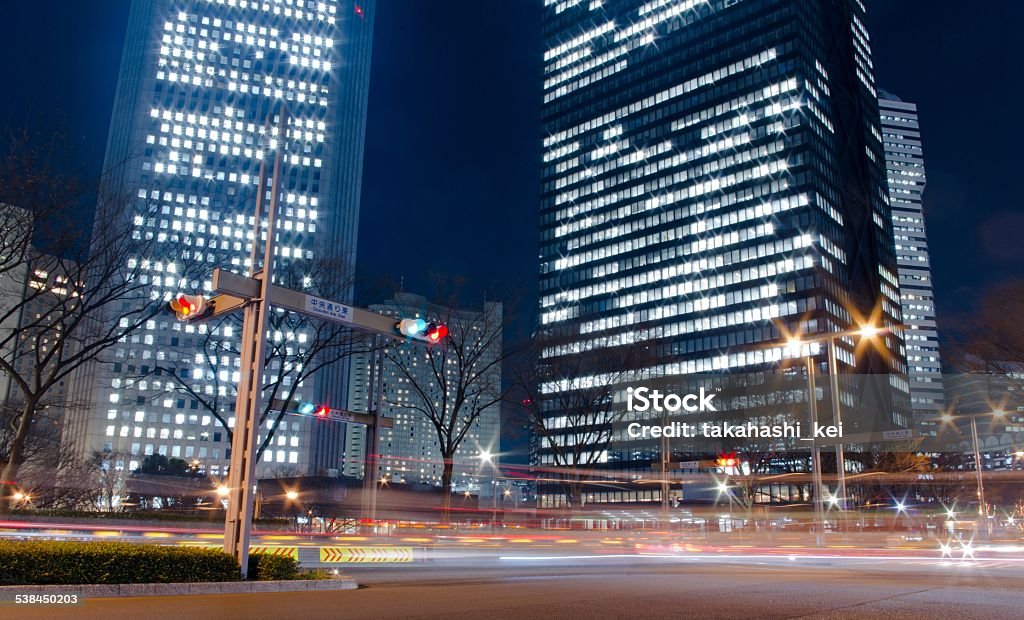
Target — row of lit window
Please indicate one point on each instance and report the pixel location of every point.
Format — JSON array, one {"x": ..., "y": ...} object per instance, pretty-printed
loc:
[{"x": 661, "y": 97}]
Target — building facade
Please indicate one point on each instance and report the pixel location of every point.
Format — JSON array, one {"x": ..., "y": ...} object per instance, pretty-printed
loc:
[
  {"x": 409, "y": 450},
  {"x": 204, "y": 88},
  {"x": 904, "y": 159},
  {"x": 713, "y": 180}
]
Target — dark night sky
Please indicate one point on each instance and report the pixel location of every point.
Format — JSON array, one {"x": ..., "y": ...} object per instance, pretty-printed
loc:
[{"x": 451, "y": 167}]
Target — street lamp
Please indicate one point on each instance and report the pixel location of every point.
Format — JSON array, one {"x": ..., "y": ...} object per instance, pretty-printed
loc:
[
  {"x": 485, "y": 457},
  {"x": 998, "y": 413},
  {"x": 796, "y": 344},
  {"x": 292, "y": 495}
]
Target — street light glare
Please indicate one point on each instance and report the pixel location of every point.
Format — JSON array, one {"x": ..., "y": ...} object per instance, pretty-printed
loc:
[
  {"x": 223, "y": 491},
  {"x": 867, "y": 331},
  {"x": 485, "y": 455},
  {"x": 292, "y": 495}
]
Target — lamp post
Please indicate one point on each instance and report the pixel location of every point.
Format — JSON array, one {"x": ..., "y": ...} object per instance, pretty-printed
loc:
[
  {"x": 812, "y": 407},
  {"x": 998, "y": 413},
  {"x": 830, "y": 338},
  {"x": 485, "y": 457}
]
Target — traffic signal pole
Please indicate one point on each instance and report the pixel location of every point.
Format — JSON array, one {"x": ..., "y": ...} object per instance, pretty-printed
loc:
[
  {"x": 255, "y": 295},
  {"x": 375, "y": 409},
  {"x": 248, "y": 404}
]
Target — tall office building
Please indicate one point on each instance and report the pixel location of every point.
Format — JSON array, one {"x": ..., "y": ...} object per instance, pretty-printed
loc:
[
  {"x": 904, "y": 160},
  {"x": 713, "y": 170},
  {"x": 409, "y": 449},
  {"x": 198, "y": 80}
]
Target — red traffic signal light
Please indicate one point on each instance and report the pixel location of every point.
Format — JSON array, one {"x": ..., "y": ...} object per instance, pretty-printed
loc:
[
  {"x": 727, "y": 460},
  {"x": 421, "y": 330},
  {"x": 321, "y": 411},
  {"x": 190, "y": 307},
  {"x": 437, "y": 333}
]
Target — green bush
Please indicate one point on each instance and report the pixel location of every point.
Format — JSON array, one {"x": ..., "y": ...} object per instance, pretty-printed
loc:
[
  {"x": 263, "y": 567},
  {"x": 57, "y": 562}
]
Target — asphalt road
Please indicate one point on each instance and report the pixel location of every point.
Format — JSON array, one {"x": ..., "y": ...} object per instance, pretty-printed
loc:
[{"x": 606, "y": 587}]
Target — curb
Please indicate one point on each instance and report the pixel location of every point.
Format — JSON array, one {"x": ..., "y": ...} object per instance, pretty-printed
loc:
[{"x": 87, "y": 591}]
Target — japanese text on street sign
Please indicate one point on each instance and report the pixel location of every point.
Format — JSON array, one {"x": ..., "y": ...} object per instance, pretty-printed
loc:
[{"x": 328, "y": 309}]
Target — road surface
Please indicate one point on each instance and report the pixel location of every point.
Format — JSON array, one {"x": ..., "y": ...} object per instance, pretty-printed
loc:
[{"x": 618, "y": 587}]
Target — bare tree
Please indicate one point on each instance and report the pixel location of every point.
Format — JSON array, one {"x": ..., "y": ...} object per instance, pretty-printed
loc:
[
  {"x": 771, "y": 399},
  {"x": 996, "y": 334},
  {"x": 552, "y": 386},
  {"x": 84, "y": 289},
  {"x": 54, "y": 475},
  {"x": 880, "y": 480},
  {"x": 110, "y": 474},
  {"x": 298, "y": 348},
  {"x": 453, "y": 382}
]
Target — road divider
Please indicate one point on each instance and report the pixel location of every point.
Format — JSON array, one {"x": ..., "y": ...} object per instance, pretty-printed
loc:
[
  {"x": 288, "y": 552},
  {"x": 365, "y": 555}
]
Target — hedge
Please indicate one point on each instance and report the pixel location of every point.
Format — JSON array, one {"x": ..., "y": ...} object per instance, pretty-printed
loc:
[
  {"x": 264, "y": 567},
  {"x": 58, "y": 562}
]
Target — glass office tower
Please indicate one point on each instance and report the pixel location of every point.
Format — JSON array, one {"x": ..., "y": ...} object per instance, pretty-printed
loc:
[
  {"x": 197, "y": 83},
  {"x": 713, "y": 179}
]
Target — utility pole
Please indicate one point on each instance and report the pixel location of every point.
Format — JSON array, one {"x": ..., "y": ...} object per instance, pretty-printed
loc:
[
  {"x": 244, "y": 448},
  {"x": 255, "y": 295},
  {"x": 374, "y": 408},
  {"x": 982, "y": 508},
  {"x": 664, "y": 469},
  {"x": 837, "y": 419},
  {"x": 812, "y": 400}
]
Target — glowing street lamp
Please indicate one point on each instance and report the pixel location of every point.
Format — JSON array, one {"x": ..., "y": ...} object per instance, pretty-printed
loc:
[
  {"x": 795, "y": 345},
  {"x": 995, "y": 414},
  {"x": 487, "y": 457}
]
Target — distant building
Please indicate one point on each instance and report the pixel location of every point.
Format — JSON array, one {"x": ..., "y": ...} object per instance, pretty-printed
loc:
[
  {"x": 995, "y": 396},
  {"x": 904, "y": 159},
  {"x": 34, "y": 290},
  {"x": 409, "y": 450},
  {"x": 17, "y": 225}
]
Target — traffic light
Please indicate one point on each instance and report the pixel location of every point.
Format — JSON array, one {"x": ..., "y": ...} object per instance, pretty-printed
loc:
[
  {"x": 727, "y": 460},
  {"x": 319, "y": 411},
  {"x": 190, "y": 307},
  {"x": 421, "y": 330}
]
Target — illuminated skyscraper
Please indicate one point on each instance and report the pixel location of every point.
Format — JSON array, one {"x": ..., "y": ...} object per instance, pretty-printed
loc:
[
  {"x": 904, "y": 160},
  {"x": 198, "y": 81},
  {"x": 713, "y": 170}
]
